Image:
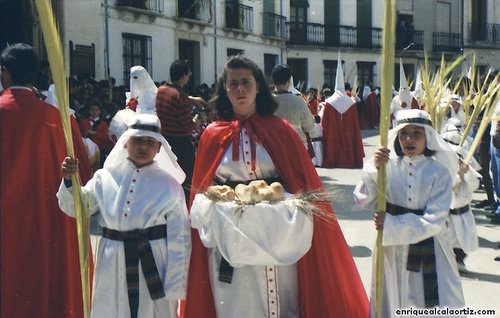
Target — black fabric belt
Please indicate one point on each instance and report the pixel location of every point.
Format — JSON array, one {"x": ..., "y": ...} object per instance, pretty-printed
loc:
[
  {"x": 225, "y": 269},
  {"x": 460, "y": 210},
  {"x": 316, "y": 139},
  {"x": 137, "y": 247},
  {"x": 393, "y": 209},
  {"x": 421, "y": 257}
]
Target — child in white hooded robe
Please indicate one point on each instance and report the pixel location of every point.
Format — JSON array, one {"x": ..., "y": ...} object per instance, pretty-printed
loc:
[
  {"x": 420, "y": 165},
  {"x": 462, "y": 225},
  {"x": 143, "y": 257}
]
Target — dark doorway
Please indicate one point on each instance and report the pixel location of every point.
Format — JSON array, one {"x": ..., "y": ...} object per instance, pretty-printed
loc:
[
  {"x": 299, "y": 73},
  {"x": 190, "y": 51}
]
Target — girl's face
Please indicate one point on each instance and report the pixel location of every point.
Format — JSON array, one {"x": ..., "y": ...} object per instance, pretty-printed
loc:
[
  {"x": 412, "y": 140},
  {"x": 241, "y": 89},
  {"x": 94, "y": 111},
  {"x": 142, "y": 150}
]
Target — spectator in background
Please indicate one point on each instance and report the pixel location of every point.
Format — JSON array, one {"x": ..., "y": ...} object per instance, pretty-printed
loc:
[
  {"x": 291, "y": 107},
  {"x": 96, "y": 129},
  {"x": 173, "y": 107},
  {"x": 44, "y": 78}
]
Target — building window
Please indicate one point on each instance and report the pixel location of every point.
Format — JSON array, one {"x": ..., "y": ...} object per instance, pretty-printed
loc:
[
  {"x": 330, "y": 72},
  {"x": 365, "y": 73},
  {"x": 270, "y": 60},
  {"x": 137, "y": 50},
  {"x": 298, "y": 24},
  {"x": 82, "y": 60}
]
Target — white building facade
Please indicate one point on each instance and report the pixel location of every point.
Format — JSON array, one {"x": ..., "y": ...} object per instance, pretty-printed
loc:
[{"x": 104, "y": 38}]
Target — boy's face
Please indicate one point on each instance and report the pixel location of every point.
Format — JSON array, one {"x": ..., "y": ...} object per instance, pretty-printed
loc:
[
  {"x": 412, "y": 140},
  {"x": 142, "y": 150}
]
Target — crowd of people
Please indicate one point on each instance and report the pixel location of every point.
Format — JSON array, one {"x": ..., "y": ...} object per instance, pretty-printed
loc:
[{"x": 169, "y": 248}]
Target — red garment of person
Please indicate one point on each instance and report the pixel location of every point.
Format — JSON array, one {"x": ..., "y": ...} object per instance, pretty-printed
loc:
[
  {"x": 372, "y": 110},
  {"x": 84, "y": 166},
  {"x": 329, "y": 282},
  {"x": 342, "y": 140},
  {"x": 101, "y": 137},
  {"x": 40, "y": 274},
  {"x": 313, "y": 106}
]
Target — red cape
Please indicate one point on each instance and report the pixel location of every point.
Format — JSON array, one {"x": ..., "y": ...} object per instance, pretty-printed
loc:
[
  {"x": 40, "y": 274},
  {"x": 369, "y": 117},
  {"x": 329, "y": 282},
  {"x": 342, "y": 141}
]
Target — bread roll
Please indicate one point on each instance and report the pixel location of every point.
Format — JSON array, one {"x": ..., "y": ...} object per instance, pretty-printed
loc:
[
  {"x": 247, "y": 193},
  {"x": 223, "y": 191},
  {"x": 277, "y": 190},
  {"x": 259, "y": 184}
]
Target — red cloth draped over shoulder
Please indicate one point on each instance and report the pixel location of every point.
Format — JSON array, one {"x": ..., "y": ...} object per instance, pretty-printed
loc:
[
  {"x": 342, "y": 140},
  {"x": 40, "y": 275},
  {"x": 329, "y": 282}
]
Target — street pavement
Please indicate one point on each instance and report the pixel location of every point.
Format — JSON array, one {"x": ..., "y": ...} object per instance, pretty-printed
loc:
[{"x": 481, "y": 284}]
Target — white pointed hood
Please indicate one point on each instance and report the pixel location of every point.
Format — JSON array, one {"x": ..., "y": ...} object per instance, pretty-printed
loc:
[
  {"x": 339, "y": 100},
  {"x": 143, "y": 88},
  {"x": 339, "y": 78},
  {"x": 403, "y": 99},
  {"x": 418, "y": 93},
  {"x": 292, "y": 89}
]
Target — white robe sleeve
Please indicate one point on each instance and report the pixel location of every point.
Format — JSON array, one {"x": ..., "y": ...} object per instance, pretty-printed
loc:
[
  {"x": 365, "y": 194},
  {"x": 66, "y": 200},
  {"x": 261, "y": 234}
]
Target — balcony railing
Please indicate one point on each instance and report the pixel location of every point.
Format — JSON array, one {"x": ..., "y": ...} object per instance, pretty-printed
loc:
[
  {"x": 343, "y": 36},
  {"x": 200, "y": 10},
  {"x": 274, "y": 25},
  {"x": 446, "y": 42},
  {"x": 239, "y": 16},
  {"x": 486, "y": 32},
  {"x": 412, "y": 40},
  {"x": 149, "y": 5},
  {"x": 369, "y": 37}
]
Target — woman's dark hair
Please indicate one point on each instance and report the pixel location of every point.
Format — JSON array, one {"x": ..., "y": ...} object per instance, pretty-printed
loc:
[
  {"x": 264, "y": 101},
  {"x": 22, "y": 62},
  {"x": 400, "y": 153}
]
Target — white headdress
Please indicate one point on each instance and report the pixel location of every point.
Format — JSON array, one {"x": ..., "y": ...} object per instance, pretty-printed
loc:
[
  {"x": 366, "y": 91},
  {"x": 339, "y": 100},
  {"x": 146, "y": 125},
  {"x": 453, "y": 137},
  {"x": 52, "y": 98},
  {"x": 443, "y": 152},
  {"x": 403, "y": 99},
  {"x": 292, "y": 89},
  {"x": 143, "y": 88},
  {"x": 418, "y": 93}
]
